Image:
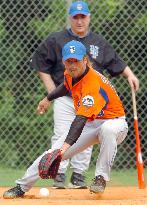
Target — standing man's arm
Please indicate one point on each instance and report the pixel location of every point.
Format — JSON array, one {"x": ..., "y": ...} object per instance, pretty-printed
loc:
[
  {"x": 43, "y": 60},
  {"x": 132, "y": 79},
  {"x": 116, "y": 66},
  {"x": 47, "y": 81}
]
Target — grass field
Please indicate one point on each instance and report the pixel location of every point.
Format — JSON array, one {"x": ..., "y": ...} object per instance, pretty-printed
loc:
[{"x": 118, "y": 178}]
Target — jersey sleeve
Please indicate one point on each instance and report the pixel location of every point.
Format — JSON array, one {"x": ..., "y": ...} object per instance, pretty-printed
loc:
[
  {"x": 112, "y": 61},
  {"x": 92, "y": 104},
  {"x": 60, "y": 91},
  {"x": 44, "y": 58}
]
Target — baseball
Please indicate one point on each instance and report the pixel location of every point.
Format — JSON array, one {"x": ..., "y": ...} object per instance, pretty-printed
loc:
[{"x": 44, "y": 192}]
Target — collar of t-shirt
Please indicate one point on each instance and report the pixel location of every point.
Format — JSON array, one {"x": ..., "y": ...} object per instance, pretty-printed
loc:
[{"x": 75, "y": 35}]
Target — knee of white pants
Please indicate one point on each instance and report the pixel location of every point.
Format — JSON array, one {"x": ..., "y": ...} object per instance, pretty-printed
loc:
[
  {"x": 107, "y": 134},
  {"x": 121, "y": 135},
  {"x": 115, "y": 128}
]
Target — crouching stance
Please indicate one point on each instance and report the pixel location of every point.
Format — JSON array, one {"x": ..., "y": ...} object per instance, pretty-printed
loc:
[{"x": 99, "y": 115}]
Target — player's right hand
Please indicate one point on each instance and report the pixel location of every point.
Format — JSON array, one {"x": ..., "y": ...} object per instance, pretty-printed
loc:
[{"x": 43, "y": 106}]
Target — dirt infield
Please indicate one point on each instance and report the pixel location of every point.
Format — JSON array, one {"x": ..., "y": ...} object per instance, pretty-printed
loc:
[{"x": 112, "y": 196}]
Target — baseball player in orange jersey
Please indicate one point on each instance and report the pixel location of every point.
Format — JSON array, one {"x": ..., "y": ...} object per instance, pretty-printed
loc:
[
  {"x": 99, "y": 112},
  {"x": 100, "y": 117}
]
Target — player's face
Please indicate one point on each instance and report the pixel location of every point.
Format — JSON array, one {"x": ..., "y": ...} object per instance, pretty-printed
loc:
[
  {"x": 80, "y": 24},
  {"x": 74, "y": 67}
]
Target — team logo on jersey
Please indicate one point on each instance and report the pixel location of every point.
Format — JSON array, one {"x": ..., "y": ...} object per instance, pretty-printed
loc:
[
  {"x": 94, "y": 51},
  {"x": 79, "y": 7},
  {"x": 88, "y": 101},
  {"x": 72, "y": 49}
]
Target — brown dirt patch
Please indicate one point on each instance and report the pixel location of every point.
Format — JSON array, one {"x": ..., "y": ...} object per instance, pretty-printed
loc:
[{"x": 111, "y": 196}]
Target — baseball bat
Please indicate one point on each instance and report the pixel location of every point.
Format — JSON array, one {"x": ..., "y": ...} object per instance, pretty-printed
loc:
[{"x": 139, "y": 161}]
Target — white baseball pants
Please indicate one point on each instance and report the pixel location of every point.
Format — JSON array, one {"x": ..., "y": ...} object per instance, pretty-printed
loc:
[{"x": 109, "y": 133}]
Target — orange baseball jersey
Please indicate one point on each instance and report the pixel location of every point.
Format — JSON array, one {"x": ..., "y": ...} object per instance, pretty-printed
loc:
[{"x": 94, "y": 96}]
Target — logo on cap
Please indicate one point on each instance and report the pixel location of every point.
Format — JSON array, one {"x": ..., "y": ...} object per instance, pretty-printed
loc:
[
  {"x": 79, "y": 7},
  {"x": 72, "y": 49}
]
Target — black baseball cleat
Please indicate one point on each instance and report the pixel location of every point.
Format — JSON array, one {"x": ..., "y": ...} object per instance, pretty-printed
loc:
[
  {"x": 77, "y": 181},
  {"x": 98, "y": 185},
  {"x": 59, "y": 181},
  {"x": 14, "y": 192}
]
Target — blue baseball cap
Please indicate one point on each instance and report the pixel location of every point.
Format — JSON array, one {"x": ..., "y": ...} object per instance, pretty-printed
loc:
[
  {"x": 73, "y": 49},
  {"x": 79, "y": 7}
]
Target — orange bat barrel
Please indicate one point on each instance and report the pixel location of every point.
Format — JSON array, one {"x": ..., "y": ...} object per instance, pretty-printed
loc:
[{"x": 139, "y": 161}]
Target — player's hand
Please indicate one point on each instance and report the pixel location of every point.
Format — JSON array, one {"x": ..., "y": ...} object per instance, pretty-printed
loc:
[
  {"x": 43, "y": 106},
  {"x": 134, "y": 82},
  {"x": 132, "y": 79},
  {"x": 64, "y": 148}
]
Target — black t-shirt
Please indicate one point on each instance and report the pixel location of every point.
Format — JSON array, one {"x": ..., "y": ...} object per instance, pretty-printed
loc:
[{"x": 48, "y": 56}]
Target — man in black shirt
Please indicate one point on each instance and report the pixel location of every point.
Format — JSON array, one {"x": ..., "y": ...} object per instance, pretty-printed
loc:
[{"x": 47, "y": 60}]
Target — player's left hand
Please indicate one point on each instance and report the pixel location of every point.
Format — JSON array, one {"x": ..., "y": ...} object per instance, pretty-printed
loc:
[
  {"x": 43, "y": 106},
  {"x": 49, "y": 164}
]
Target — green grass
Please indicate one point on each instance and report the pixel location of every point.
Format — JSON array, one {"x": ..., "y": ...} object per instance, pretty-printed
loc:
[{"x": 118, "y": 178}]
